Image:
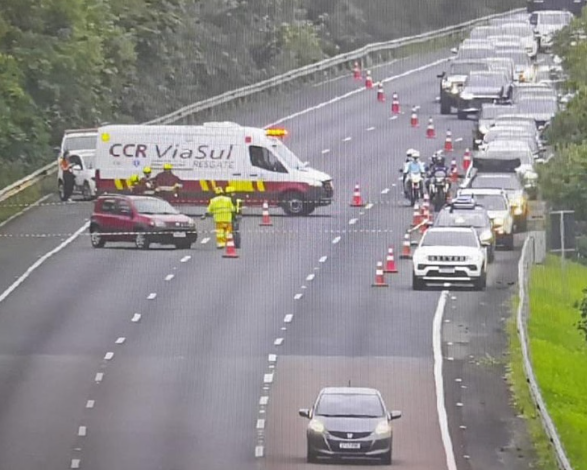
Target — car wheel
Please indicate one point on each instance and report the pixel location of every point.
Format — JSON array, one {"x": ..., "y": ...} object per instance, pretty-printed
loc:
[
  {"x": 87, "y": 192},
  {"x": 184, "y": 245},
  {"x": 509, "y": 242},
  {"x": 491, "y": 254},
  {"x": 445, "y": 107},
  {"x": 461, "y": 115},
  {"x": 481, "y": 283},
  {"x": 310, "y": 456},
  {"x": 293, "y": 203},
  {"x": 522, "y": 225},
  {"x": 141, "y": 241},
  {"x": 386, "y": 459},
  {"x": 96, "y": 239},
  {"x": 417, "y": 283}
]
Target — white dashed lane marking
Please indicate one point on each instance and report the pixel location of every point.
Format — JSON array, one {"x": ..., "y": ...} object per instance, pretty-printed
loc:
[
  {"x": 272, "y": 358},
  {"x": 288, "y": 318},
  {"x": 99, "y": 377},
  {"x": 82, "y": 431},
  {"x": 75, "y": 463},
  {"x": 109, "y": 356},
  {"x": 393, "y": 118},
  {"x": 185, "y": 259},
  {"x": 369, "y": 129},
  {"x": 120, "y": 340},
  {"x": 278, "y": 342},
  {"x": 298, "y": 296},
  {"x": 268, "y": 378},
  {"x": 260, "y": 424},
  {"x": 336, "y": 240},
  {"x": 264, "y": 400},
  {"x": 205, "y": 240},
  {"x": 259, "y": 451},
  {"x": 136, "y": 317},
  {"x": 353, "y": 221},
  {"x": 325, "y": 151},
  {"x": 323, "y": 259},
  {"x": 347, "y": 139},
  {"x": 460, "y": 139},
  {"x": 90, "y": 403},
  {"x": 152, "y": 296},
  {"x": 310, "y": 277},
  {"x": 169, "y": 277},
  {"x": 369, "y": 206},
  {"x": 385, "y": 191}
]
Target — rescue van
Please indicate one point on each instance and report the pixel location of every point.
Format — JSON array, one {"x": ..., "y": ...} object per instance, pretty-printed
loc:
[
  {"x": 217, "y": 154},
  {"x": 81, "y": 144}
]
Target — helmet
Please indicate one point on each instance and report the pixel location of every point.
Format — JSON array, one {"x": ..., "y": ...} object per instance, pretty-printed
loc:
[
  {"x": 134, "y": 179},
  {"x": 147, "y": 170},
  {"x": 167, "y": 166},
  {"x": 218, "y": 190},
  {"x": 415, "y": 154},
  {"x": 229, "y": 189},
  {"x": 410, "y": 152}
]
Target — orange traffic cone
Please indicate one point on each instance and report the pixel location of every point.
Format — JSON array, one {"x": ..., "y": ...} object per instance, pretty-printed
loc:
[
  {"x": 414, "y": 121},
  {"x": 406, "y": 247},
  {"x": 357, "y": 71},
  {"x": 466, "y": 160},
  {"x": 368, "y": 80},
  {"x": 357, "y": 199},
  {"x": 417, "y": 216},
  {"x": 448, "y": 142},
  {"x": 390, "y": 266},
  {"x": 266, "y": 220},
  {"x": 379, "y": 276},
  {"x": 430, "y": 131},
  {"x": 395, "y": 104},
  {"x": 380, "y": 93},
  {"x": 230, "y": 248}
]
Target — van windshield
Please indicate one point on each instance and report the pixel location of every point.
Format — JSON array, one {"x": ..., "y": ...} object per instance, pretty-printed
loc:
[
  {"x": 86, "y": 142},
  {"x": 287, "y": 156}
]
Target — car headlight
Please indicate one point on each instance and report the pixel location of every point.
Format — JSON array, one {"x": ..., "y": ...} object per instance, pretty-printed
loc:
[
  {"x": 467, "y": 96},
  {"x": 316, "y": 426},
  {"x": 157, "y": 223},
  {"x": 483, "y": 129},
  {"x": 498, "y": 221},
  {"x": 454, "y": 89},
  {"x": 383, "y": 428},
  {"x": 530, "y": 175}
]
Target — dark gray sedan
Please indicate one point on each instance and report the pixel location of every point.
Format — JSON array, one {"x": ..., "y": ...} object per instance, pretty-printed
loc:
[{"x": 350, "y": 422}]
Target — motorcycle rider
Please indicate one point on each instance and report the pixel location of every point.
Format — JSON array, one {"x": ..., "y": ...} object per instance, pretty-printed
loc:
[
  {"x": 437, "y": 163},
  {"x": 411, "y": 166}
]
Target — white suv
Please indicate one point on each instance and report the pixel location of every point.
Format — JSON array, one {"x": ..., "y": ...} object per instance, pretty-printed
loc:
[
  {"x": 81, "y": 144},
  {"x": 500, "y": 212},
  {"x": 450, "y": 255}
]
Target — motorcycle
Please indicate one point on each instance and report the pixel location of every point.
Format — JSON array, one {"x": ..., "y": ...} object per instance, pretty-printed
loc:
[
  {"x": 439, "y": 189},
  {"x": 415, "y": 182}
]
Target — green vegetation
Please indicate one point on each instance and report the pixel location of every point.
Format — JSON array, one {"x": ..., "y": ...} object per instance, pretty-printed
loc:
[
  {"x": 559, "y": 357},
  {"x": 79, "y": 63}
]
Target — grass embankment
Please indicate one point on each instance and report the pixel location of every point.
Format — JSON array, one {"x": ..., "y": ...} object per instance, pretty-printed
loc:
[
  {"x": 559, "y": 358},
  {"x": 28, "y": 196}
]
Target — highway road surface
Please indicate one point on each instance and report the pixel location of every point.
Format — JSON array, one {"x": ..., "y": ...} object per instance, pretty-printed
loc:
[{"x": 172, "y": 360}]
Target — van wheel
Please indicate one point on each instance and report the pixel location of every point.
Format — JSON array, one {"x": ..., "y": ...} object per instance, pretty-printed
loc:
[
  {"x": 87, "y": 192},
  {"x": 141, "y": 241},
  {"x": 293, "y": 203},
  {"x": 96, "y": 239},
  {"x": 61, "y": 190}
]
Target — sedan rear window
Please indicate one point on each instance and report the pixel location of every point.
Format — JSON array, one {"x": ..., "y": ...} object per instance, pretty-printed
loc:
[
  {"x": 154, "y": 206},
  {"x": 350, "y": 405},
  {"x": 461, "y": 219},
  {"x": 491, "y": 202}
]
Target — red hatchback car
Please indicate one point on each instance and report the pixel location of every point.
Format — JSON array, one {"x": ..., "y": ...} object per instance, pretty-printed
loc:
[{"x": 142, "y": 220}]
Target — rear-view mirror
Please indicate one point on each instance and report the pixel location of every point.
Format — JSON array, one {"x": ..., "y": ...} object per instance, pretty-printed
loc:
[
  {"x": 454, "y": 50},
  {"x": 304, "y": 413},
  {"x": 440, "y": 75},
  {"x": 394, "y": 415}
]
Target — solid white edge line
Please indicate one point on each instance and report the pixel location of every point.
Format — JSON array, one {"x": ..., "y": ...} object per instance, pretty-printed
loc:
[
  {"x": 439, "y": 382},
  {"x": 41, "y": 260},
  {"x": 27, "y": 208}
]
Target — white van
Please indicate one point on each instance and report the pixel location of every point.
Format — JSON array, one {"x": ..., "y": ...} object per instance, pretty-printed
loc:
[
  {"x": 254, "y": 161},
  {"x": 81, "y": 144}
]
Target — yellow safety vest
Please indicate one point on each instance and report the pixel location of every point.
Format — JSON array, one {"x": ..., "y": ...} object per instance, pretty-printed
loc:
[{"x": 221, "y": 208}]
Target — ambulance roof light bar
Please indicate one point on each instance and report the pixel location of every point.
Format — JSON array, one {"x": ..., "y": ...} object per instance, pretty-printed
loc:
[{"x": 276, "y": 132}]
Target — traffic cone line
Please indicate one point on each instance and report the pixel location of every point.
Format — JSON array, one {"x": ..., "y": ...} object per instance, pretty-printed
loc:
[
  {"x": 368, "y": 80},
  {"x": 379, "y": 276},
  {"x": 266, "y": 220},
  {"x": 448, "y": 147},
  {"x": 414, "y": 121},
  {"x": 380, "y": 94},
  {"x": 417, "y": 216},
  {"x": 230, "y": 248},
  {"x": 357, "y": 199},
  {"x": 390, "y": 266},
  {"x": 406, "y": 247},
  {"x": 430, "y": 131},
  {"x": 357, "y": 71}
]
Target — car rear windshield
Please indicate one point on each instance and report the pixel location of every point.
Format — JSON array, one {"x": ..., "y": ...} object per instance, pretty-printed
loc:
[
  {"x": 509, "y": 182},
  {"x": 491, "y": 202},
  {"x": 87, "y": 142},
  {"x": 449, "y": 238},
  {"x": 519, "y": 57},
  {"x": 462, "y": 218},
  {"x": 552, "y": 18},
  {"x": 154, "y": 207},
  {"x": 538, "y": 106},
  {"x": 349, "y": 405},
  {"x": 466, "y": 68},
  {"x": 490, "y": 112},
  {"x": 482, "y": 80}
]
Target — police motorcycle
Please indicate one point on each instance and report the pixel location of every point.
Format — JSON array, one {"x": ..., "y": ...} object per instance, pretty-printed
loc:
[
  {"x": 438, "y": 182},
  {"x": 413, "y": 177}
]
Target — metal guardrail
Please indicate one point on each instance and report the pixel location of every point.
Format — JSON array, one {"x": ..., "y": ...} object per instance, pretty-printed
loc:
[
  {"x": 279, "y": 80},
  {"x": 533, "y": 251},
  {"x": 27, "y": 181},
  {"x": 337, "y": 61}
]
